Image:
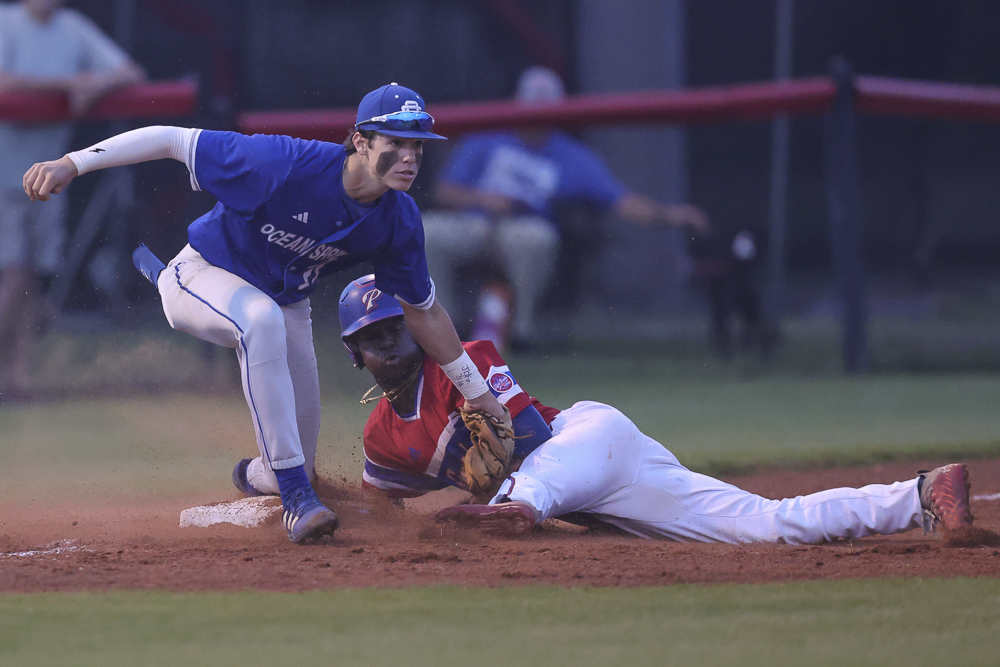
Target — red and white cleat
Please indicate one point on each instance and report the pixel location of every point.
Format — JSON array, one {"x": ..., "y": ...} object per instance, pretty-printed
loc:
[
  {"x": 944, "y": 495},
  {"x": 510, "y": 519}
]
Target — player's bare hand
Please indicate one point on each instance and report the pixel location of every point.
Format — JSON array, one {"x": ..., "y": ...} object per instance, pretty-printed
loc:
[
  {"x": 487, "y": 402},
  {"x": 432, "y": 502},
  {"x": 45, "y": 179},
  {"x": 689, "y": 215},
  {"x": 84, "y": 91}
]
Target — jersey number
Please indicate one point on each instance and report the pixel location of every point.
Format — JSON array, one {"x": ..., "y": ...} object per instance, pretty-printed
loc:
[{"x": 311, "y": 275}]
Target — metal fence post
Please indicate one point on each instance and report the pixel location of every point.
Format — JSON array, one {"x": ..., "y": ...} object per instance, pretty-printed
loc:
[
  {"x": 774, "y": 304},
  {"x": 844, "y": 197}
]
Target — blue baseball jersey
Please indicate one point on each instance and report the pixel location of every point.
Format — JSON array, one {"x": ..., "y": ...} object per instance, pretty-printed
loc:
[
  {"x": 559, "y": 169},
  {"x": 283, "y": 219}
]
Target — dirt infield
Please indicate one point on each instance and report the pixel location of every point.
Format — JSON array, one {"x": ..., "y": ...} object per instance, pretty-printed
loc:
[{"x": 99, "y": 547}]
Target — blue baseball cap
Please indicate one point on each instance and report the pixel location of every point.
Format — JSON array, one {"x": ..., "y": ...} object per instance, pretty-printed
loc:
[{"x": 397, "y": 111}]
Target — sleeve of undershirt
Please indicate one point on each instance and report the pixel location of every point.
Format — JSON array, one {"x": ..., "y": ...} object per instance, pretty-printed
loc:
[{"x": 156, "y": 142}]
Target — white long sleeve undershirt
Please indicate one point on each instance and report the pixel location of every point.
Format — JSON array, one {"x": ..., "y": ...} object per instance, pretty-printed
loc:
[{"x": 156, "y": 142}]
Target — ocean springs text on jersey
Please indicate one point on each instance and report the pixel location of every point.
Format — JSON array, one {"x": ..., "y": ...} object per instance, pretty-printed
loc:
[{"x": 301, "y": 244}]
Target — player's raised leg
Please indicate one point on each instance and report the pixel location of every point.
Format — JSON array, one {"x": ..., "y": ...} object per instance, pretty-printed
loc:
[{"x": 219, "y": 307}]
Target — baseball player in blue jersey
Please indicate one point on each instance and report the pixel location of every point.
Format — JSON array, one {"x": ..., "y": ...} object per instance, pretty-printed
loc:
[{"x": 290, "y": 212}]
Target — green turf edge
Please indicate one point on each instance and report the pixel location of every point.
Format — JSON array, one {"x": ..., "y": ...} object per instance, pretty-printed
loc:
[
  {"x": 847, "y": 457},
  {"x": 856, "y": 622}
]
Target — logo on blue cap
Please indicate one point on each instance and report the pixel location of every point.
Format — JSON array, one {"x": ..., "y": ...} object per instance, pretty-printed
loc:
[{"x": 396, "y": 111}]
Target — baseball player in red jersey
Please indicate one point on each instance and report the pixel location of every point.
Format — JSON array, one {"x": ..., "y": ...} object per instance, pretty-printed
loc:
[
  {"x": 592, "y": 459},
  {"x": 415, "y": 442}
]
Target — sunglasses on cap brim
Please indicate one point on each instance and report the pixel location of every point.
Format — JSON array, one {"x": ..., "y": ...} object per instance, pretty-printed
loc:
[{"x": 402, "y": 121}]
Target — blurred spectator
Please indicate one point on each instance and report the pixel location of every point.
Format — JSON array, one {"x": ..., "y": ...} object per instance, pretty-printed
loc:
[
  {"x": 44, "y": 48},
  {"x": 499, "y": 193}
]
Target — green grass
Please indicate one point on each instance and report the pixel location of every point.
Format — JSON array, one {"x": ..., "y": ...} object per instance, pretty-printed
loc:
[
  {"x": 907, "y": 622},
  {"x": 721, "y": 426},
  {"x": 717, "y": 417},
  {"x": 177, "y": 444}
]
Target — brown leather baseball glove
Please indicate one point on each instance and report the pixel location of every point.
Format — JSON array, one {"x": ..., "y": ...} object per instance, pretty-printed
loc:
[{"x": 485, "y": 464}]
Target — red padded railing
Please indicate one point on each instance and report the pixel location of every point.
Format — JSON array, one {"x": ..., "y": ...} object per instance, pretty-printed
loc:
[
  {"x": 166, "y": 98},
  {"x": 720, "y": 103},
  {"x": 927, "y": 99},
  {"x": 753, "y": 101}
]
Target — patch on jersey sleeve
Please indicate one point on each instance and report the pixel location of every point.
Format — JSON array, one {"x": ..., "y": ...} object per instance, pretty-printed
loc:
[{"x": 502, "y": 383}]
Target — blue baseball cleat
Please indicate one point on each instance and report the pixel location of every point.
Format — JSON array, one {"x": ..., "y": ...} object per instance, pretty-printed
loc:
[
  {"x": 241, "y": 482},
  {"x": 148, "y": 264},
  {"x": 306, "y": 519}
]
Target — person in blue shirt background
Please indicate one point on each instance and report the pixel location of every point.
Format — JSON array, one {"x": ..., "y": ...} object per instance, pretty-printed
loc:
[
  {"x": 290, "y": 212},
  {"x": 498, "y": 192}
]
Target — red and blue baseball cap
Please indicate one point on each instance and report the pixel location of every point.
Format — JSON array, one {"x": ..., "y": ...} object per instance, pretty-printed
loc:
[{"x": 396, "y": 111}]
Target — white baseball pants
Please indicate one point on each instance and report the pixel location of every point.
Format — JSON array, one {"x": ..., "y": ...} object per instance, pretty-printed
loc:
[
  {"x": 599, "y": 462},
  {"x": 274, "y": 345}
]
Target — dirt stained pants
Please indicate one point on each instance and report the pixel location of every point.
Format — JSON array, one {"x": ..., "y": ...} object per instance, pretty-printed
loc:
[{"x": 598, "y": 461}]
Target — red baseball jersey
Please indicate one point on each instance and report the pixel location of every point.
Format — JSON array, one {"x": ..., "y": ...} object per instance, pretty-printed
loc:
[{"x": 409, "y": 455}]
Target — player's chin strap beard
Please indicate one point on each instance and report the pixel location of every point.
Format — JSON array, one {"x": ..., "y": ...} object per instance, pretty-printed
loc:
[{"x": 395, "y": 392}]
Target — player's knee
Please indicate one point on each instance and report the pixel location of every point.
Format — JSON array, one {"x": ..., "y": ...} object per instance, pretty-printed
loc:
[{"x": 264, "y": 324}]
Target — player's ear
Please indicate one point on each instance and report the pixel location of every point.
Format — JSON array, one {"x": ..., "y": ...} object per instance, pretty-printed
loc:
[{"x": 360, "y": 143}]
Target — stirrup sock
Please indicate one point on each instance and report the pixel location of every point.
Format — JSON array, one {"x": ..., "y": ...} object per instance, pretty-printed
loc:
[
  {"x": 291, "y": 482},
  {"x": 148, "y": 264}
]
